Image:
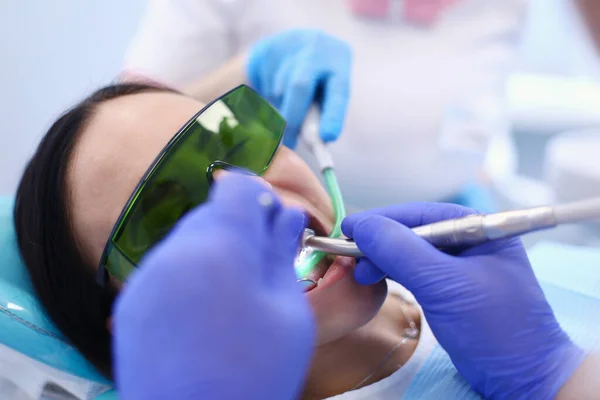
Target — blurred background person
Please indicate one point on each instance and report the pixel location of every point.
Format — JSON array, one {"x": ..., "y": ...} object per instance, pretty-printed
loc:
[
  {"x": 555, "y": 89},
  {"x": 427, "y": 92}
]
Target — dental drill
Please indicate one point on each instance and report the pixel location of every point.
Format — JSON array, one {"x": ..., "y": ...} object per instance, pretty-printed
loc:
[{"x": 475, "y": 229}]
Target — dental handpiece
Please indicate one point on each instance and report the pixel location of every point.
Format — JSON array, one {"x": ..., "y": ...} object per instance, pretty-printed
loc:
[{"x": 475, "y": 229}]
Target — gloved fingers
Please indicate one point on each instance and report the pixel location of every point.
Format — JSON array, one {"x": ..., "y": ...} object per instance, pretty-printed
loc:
[
  {"x": 367, "y": 273},
  {"x": 222, "y": 173},
  {"x": 410, "y": 214},
  {"x": 396, "y": 251},
  {"x": 281, "y": 79},
  {"x": 298, "y": 97},
  {"x": 334, "y": 106},
  {"x": 288, "y": 229},
  {"x": 255, "y": 65},
  {"x": 508, "y": 246},
  {"x": 239, "y": 201}
]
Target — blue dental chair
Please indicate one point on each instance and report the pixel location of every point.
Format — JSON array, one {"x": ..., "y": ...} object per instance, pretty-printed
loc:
[{"x": 24, "y": 326}]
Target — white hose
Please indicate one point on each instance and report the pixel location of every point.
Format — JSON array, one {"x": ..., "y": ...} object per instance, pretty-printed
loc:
[
  {"x": 310, "y": 136},
  {"x": 578, "y": 211}
]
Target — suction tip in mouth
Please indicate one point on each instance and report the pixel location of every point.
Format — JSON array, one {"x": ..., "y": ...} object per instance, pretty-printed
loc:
[{"x": 307, "y": 284}]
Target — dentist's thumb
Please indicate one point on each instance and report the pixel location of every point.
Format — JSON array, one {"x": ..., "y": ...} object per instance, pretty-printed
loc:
[{"x": 393, "y": 250}]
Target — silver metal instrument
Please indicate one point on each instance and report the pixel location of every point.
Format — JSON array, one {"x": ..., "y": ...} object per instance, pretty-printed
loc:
[{"x": 476, "y": 229}]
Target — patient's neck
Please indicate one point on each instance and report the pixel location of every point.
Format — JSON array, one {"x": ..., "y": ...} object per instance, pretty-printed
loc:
[{"x": 339, "y": 366}]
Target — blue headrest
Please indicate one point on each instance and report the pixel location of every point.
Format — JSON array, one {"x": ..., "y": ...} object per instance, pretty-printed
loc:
[{"x": 23, "y": 323}]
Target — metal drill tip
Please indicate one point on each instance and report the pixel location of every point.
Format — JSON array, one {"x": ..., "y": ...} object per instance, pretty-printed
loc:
[
  {"x": 307, "y": 284},
  {"x": 307, "y": 234}
]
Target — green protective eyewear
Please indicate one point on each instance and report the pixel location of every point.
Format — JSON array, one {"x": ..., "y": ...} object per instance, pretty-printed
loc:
[{"x": 239, "y": 130}]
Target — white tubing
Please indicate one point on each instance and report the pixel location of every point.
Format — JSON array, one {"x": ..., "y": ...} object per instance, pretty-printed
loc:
[
  {"x": 310, "y": 136},
  {"x": 578, "y": 211}
]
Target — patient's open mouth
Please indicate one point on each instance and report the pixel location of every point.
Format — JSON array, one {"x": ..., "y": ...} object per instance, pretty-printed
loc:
[
  {"x": 311, "y": 280},
  {"x": 329, "y": 268}
]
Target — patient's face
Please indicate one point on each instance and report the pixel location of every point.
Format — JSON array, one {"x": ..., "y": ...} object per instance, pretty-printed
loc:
[{"x": 122, "y": 140}]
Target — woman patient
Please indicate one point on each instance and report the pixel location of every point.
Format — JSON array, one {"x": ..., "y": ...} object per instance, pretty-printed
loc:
[{"x": 76, "y": 186}]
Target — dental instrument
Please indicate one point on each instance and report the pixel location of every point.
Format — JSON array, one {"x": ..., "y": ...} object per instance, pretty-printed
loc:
[
  {"x": 475, "y": 229},
  {"x": 308, "y": 259}
]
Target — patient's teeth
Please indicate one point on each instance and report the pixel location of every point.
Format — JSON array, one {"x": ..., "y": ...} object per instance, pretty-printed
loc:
[{"x": 319, "y": 281}]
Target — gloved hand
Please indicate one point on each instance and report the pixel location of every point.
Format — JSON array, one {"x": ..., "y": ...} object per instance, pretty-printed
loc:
[
  {"x": 484, "y": 305},
  {"x": 289, "y": 67},
  {"x": 214, "y": 312}
]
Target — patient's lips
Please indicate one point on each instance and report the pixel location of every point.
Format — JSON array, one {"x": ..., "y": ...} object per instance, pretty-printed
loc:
[
  {"x": 340, "y": 267},
  {"x": 320, "y": 270},
  {"x": 329, "y": 271}
]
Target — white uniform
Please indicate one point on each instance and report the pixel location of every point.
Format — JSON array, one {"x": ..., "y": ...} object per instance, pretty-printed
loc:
[{"x": 426, "y": 97}]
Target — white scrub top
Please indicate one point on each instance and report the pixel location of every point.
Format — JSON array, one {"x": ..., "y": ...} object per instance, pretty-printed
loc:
[{"x": 427, "y": 98}]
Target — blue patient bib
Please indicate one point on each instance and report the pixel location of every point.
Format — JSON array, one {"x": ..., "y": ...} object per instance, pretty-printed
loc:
[
  {"x": 24, "y": 326},
  {"x": 570, "y": 278}
]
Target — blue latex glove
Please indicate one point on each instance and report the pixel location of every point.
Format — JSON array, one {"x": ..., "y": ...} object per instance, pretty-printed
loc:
[
  {"x": 214, "y": 311},
  {"x": 289, "y": 67},
  {"x": 484, "y": 305}
]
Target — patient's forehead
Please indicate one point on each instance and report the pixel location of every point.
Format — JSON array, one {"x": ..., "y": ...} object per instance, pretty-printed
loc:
[{"x": 113, "y": 152}]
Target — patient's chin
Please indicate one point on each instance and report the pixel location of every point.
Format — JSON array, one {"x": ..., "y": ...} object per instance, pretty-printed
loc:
[{"x": 346, "y": 306}]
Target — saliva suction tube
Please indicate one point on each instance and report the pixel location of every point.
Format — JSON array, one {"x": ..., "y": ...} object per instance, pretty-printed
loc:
[{"x": 308, "y": 258}]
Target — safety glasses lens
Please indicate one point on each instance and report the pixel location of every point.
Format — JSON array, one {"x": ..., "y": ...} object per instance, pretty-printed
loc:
[{"x": 239, "y": 129}]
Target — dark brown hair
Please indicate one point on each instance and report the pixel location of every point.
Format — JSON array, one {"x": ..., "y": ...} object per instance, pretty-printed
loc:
[{"x": 64, "y": 282}]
